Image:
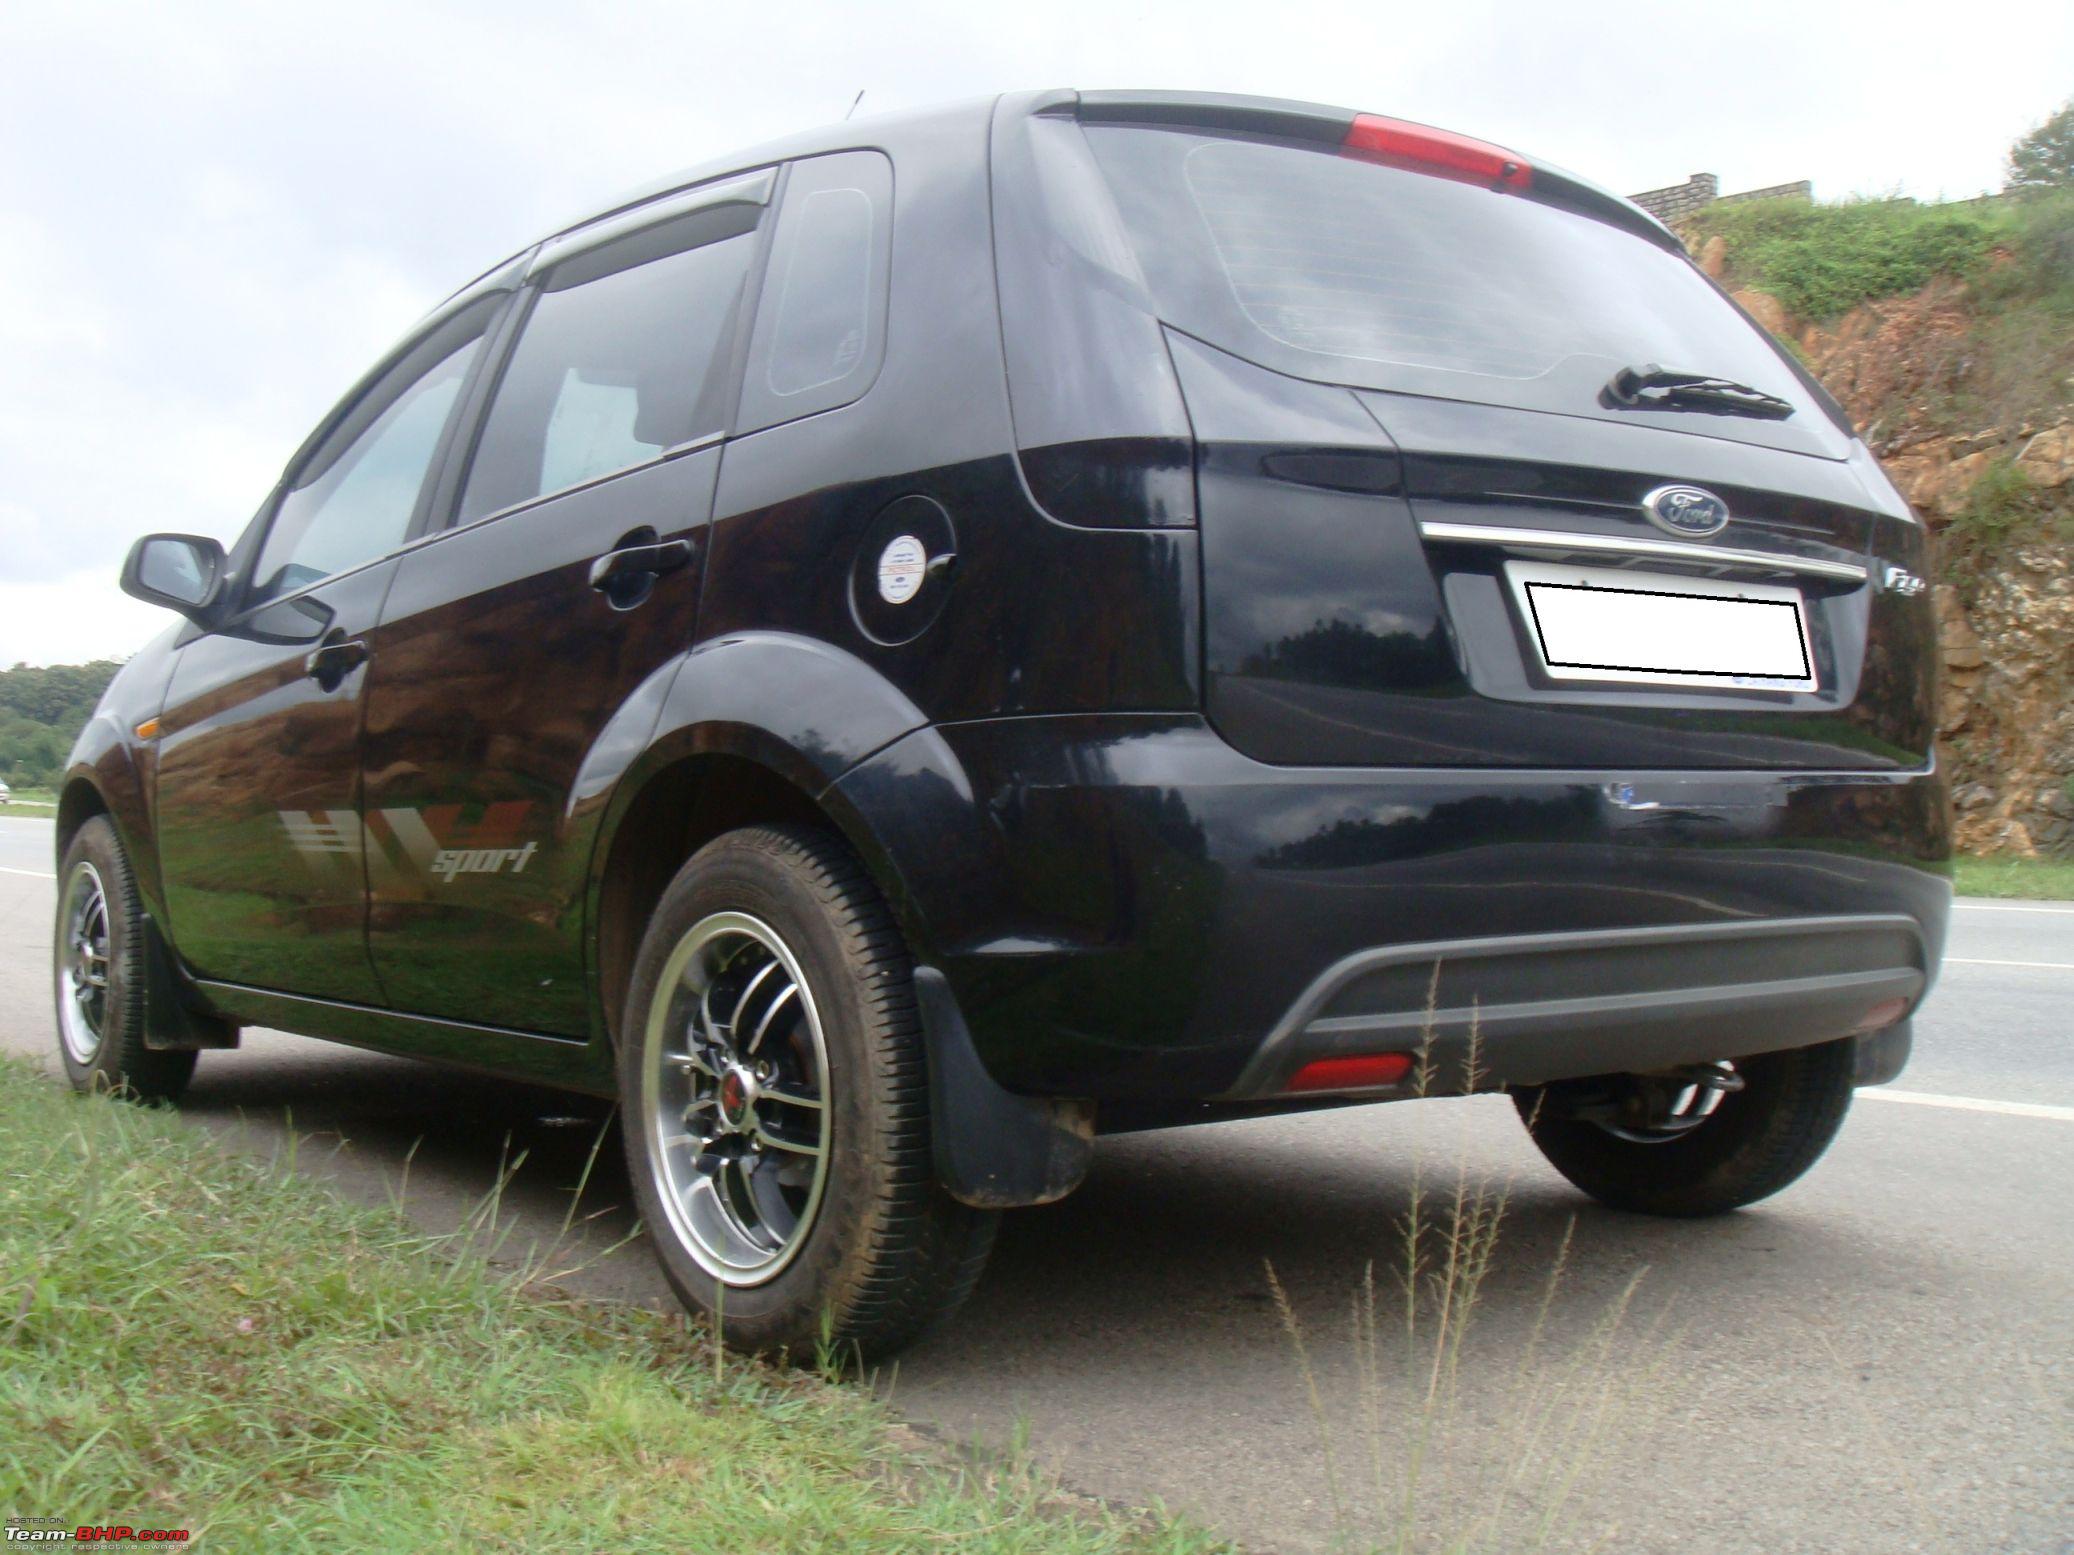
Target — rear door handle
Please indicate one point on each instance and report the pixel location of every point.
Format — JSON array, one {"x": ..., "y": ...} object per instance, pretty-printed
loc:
[
  {"x": 331, "y": 663},
  {"x": 638, "y": 561}
]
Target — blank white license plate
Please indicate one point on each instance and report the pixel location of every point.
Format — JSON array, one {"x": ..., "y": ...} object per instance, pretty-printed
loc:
[{"x": 1596, "y": 623}]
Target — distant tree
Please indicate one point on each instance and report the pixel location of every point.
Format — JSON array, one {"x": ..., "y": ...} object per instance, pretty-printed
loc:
[
  {"x": 42, "y": 711},
  {"x": 2044, "y": 159}
]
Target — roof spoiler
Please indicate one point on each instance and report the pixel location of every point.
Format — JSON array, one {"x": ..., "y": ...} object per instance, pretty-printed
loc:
[{"x": 1396, "y": 142}]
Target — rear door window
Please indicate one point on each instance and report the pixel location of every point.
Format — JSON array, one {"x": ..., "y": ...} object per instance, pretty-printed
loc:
[
  {"x": 614, "y": 368},
  {"x": 821, "y": 324}
]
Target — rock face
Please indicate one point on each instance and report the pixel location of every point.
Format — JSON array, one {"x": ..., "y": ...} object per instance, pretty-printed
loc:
[
  {"x": 2048, "y": 458},
  {"x": 1895, "y": 363},
  {"x": 2005, "y": 611},
  {"x": 1938, "y": 474},
  {"x": 2006, "y": 711},
  {"x": 2007, "y": 715},
  {"x": 1766, "y": 309}
]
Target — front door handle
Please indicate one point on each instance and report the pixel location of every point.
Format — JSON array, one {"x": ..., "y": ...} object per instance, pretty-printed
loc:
[
  {"x": 629, "y": 571},
  {"x": 329, "y": 664}
]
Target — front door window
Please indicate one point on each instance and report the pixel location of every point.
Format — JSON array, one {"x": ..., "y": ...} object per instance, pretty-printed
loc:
[{"x": 353, "y": 502}]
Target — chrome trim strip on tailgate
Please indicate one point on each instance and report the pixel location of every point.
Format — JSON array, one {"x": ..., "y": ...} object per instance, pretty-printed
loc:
[{"x": 1569, "y": 541}]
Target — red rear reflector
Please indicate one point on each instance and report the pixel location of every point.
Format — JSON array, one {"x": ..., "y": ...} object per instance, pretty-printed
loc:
[
  {"x": 1347, "y": 1074},
  {"x": 1423, "y": 149},
  {"x": 1885, "y": 1013}
]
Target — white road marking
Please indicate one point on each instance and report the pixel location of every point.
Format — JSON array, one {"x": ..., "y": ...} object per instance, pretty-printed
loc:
[
  {"x": 2011, "y": 1109},
  {"x": 33, "y": 874},
  {"x": 2058, "y": 912},
  {"x": 2040, "y": 966}
]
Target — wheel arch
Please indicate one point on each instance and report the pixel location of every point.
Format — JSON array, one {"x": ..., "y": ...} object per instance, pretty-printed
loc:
[
  {"x": 753, "y": 727},
  {"x": 79, "y": 801},
  {"x": 993, "y": 1149},
  {"x": 666, "y": 816},
  {"x": 109, "y": 783},
  {"x": 780, "y": 721}
]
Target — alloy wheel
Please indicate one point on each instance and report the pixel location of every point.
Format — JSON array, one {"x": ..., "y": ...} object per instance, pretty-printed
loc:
[
  {"x": 83, "y": 964},
  {"x": 735, "y": 1085}
]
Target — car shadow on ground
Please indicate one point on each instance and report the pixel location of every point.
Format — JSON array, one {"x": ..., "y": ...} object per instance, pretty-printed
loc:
[
  {"x": 1170, "y": 1228},
  {"x": 439, "y": 1143},
  {"x": 1139, "y": 1309}
]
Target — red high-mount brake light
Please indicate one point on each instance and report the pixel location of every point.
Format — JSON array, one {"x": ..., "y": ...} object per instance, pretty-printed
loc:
[
  {"x": 1423, "y": 149},
  {"x": 1354, "y": 1073}
]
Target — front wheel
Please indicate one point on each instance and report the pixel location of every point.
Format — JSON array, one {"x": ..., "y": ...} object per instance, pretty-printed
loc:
[
  {"x": 773, "y": 1083},
  {"x": 1699, "y": 1143},
  {"x": 97, "y": 971}
]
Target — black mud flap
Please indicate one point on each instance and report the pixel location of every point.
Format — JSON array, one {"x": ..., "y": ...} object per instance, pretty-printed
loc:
[
  {"x": 994, "y": 1149},
  {"x": 172, "y": 1020}
]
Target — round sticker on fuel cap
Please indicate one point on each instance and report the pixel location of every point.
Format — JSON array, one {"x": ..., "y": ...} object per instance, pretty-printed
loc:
[{"x": 902, "y": 565}]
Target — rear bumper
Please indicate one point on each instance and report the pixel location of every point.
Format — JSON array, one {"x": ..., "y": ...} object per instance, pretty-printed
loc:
[
  {"x": 1125, "y": 907},
  {"x": 1523, "y": 1009}
]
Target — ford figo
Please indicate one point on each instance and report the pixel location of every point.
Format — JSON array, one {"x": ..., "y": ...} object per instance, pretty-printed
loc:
[{"x": 898, "y": 652}]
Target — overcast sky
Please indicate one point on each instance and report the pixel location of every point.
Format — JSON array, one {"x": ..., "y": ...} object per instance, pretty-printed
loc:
[{"x": 214, "y": 216}]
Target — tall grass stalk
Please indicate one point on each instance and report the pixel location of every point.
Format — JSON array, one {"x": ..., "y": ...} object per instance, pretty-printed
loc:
[{"x": 1432, "y": 1482}]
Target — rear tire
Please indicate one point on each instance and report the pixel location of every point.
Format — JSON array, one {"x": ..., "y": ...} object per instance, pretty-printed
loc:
[
  {"x": 97, "y": 952},
  {"x": 772, "y": 1014},
  {"x": 1757, "y": 1141}
]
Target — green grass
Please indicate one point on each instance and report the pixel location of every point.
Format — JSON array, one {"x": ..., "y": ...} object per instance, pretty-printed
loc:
[
  {"x": 2000, "y": 500},
  {"x": 2039, "y": 267},
  {"x": 197, "y": 1340},
  {"x": 2011, "y": 363},
  {"x": 2035, "y": 879},
  {"x": 35, "y": 801},
  {"x": 2020, "y": 351},
  {"x": 1823, "y": 260}
]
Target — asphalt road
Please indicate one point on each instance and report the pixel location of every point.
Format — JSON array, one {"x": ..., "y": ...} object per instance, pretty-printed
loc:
[{"x": 1878, "y": 1359}]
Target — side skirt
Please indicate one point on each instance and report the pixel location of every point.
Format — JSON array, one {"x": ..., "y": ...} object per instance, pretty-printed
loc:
[{"x": 568, "y": 1062}]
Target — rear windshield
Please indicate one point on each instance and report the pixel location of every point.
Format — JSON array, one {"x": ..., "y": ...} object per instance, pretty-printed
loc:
[{"x": 1332, "y": 267}]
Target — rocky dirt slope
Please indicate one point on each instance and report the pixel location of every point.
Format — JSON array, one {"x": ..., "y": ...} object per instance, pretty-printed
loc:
[{"x": 1999, "y": 501}]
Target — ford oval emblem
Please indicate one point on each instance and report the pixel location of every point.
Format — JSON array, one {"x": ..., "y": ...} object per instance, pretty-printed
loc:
[{"x": 1686, "y": 510}]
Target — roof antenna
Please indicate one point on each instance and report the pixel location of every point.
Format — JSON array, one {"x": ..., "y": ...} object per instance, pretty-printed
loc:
[{"x": 853, "y": 106}]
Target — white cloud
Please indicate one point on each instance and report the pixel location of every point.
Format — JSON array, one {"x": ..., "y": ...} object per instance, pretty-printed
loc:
[{"x": 72, "y": 619}]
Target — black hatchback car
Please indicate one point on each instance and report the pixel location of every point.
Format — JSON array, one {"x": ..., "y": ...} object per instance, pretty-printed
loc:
[{"x": 899, "y": 651}]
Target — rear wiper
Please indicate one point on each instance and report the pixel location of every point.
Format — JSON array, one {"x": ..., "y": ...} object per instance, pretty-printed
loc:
[{"x": 1651, "y": 387}]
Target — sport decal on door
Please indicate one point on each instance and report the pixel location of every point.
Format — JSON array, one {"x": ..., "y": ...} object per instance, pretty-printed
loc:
[{"x": 431, "y": 840}]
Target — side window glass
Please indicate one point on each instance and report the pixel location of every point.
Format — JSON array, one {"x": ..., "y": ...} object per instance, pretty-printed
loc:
[
  {"x": 822, "y": 317},
  {"x": 610, "y": 372},
  {"x": 820, "y": 327},
  {"x": 353, "y": 497}
]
